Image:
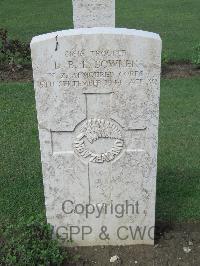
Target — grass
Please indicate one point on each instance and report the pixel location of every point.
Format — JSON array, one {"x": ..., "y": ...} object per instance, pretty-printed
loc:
[
  {"x": 21, "y": 188},
  {"x": 178, "y": 184},
  {"x": 176, "y": 21}
]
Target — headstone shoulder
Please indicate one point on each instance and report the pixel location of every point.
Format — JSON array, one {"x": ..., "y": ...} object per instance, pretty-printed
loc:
[{"x": 97, "y": 30}]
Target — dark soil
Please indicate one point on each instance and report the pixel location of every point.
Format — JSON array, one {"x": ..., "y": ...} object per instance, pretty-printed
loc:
[
  {"x": 180, "y": 70},
  {"x": 16, "y": 73},
  {"x": 169, "y": 71},
  {"x": 174, "y": 246}
]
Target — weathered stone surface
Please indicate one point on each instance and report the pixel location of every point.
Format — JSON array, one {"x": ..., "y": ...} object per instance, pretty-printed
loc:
[
  {"x": 97, "y": 98},
  {"x": 95, "y": 13}
]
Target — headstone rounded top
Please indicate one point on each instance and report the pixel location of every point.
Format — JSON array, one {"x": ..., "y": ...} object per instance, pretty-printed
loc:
[{"x": 96, "y": 30}]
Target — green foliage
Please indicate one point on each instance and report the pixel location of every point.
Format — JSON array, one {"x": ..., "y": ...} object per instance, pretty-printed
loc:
[
  {"x": 165, "y": 57},
  {"x": 13, "y": 52},
  {"x": 30, "y": 243},
  {"x": 196, "y": 55}
]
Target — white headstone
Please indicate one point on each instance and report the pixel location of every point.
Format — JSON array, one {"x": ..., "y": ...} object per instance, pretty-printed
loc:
[
  {"x": 93, "y": 13},
  {"x": 97, "y": 99}
]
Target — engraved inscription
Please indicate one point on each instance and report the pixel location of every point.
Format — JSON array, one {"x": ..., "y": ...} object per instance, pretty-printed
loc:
[
  {"x": 97, "y": 69},
  {"x": 94, "y": 129}
]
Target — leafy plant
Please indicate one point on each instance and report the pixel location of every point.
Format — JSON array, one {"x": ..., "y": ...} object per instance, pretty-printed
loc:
[
  {"x": 165, "y": 57},
  {"x": 196, "y": 55},
  {"x": 13, "y": 52},
  {"x": 30, "y": 244}
]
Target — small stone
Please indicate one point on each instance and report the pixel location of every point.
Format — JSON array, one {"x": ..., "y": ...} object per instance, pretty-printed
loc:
[
  {"x": 136, "y": 262},
  {"x": 190, "y": 243},
  {"x": 187, "y": 249},
  {"x": 114, "y": 259}
]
